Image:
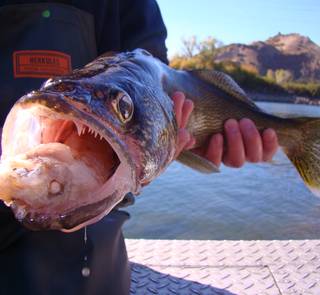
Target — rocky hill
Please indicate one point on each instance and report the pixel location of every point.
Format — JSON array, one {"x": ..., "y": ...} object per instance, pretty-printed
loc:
[{"x": 296, "y": 54}]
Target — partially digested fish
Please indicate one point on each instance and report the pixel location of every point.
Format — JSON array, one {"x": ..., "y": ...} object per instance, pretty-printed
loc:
[{"x": 74, "y": 148}]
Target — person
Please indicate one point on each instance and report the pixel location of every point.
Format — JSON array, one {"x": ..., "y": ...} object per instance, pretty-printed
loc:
[{"x": 43, "y": 38}]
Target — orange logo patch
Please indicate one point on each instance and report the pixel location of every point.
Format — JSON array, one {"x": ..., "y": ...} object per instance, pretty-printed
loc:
[{"x": 40, "y": 63}]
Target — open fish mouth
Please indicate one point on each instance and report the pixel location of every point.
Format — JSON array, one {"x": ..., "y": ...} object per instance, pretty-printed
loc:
[{"x": 77, "y": 167}]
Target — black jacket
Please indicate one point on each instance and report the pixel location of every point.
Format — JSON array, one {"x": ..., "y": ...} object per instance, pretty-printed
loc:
[
  {"x": 81, "y": 28},
  {"x": 120, "y": 25},
  {"x": 36, "y": 39}
]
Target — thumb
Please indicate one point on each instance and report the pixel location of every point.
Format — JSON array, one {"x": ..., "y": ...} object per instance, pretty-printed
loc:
[{"x": 184, "y": 141}]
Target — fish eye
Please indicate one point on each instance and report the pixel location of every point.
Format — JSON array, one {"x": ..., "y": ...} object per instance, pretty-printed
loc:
[{"x": 123, "y": 107}]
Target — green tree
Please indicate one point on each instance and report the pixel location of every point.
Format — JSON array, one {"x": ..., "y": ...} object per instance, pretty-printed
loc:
[
  {"x": 283, "y": 76},
  {"x": 196, "y": 54},
  {"x": 270, "y": 75}
]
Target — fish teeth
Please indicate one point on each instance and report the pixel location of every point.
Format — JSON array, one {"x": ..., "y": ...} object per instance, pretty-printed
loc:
[
  {"x": 79, "y": 126},
  {"x": 82, "y": 129}
]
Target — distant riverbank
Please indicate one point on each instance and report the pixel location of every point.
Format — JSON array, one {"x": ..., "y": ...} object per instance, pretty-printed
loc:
[{"x": 283, "y": 98}]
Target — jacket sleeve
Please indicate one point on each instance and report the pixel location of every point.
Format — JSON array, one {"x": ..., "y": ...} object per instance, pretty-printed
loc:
[{"x": 142, "y": 27}]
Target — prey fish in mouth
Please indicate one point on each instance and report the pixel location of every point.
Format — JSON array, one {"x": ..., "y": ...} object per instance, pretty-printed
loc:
[
  {"x": 59, "y": 170},
  {"x": 74, "y": 148}
]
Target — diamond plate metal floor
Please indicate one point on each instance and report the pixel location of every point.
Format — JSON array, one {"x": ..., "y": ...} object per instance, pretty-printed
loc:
[{"x": 224, "y": 267}]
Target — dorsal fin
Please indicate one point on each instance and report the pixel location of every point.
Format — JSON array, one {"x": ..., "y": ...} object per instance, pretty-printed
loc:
[{"x": 224, "y": 82}]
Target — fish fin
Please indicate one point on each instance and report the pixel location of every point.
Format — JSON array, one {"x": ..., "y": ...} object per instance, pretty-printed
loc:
[
  {"x": 225, "y": 83},
  {"x": 197, "y": 162},
  {"x": 305, "y": 153}
]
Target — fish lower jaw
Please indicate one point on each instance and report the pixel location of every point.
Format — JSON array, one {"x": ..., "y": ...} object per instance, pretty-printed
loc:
[
  {"x": 68, "y": 221},
  {"x": 78, "y": 215}
]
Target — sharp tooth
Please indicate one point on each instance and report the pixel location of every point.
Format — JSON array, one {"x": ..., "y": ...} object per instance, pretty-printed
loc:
[
  {"x": 79, "y": 127},
  {"x": 82, "y": 129}
]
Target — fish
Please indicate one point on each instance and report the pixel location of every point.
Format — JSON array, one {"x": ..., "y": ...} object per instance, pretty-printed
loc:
[{"x": 74, "y": 148}]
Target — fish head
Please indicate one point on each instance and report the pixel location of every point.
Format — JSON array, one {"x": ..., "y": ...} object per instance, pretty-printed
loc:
[{"x": 74, "y": 148}]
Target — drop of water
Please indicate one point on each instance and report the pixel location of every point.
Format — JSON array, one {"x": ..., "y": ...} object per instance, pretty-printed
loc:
[
  {"x": 85, "y": 271},
  {"x": 85, "y": 237}
]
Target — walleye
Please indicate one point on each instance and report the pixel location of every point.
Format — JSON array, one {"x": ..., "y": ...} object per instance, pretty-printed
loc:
[{"x": 74, "y": 148}]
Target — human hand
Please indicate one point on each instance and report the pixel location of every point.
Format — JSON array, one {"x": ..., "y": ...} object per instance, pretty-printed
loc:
[
  {"x": 243, "y": 141},
  {"x": 183, "y": 108}
]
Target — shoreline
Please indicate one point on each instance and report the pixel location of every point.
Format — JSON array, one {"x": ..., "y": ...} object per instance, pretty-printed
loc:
[{"x": 295, "y": 99}]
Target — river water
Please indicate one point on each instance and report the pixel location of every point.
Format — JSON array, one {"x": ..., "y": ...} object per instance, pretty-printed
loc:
[{"x": 258, "y": 201}]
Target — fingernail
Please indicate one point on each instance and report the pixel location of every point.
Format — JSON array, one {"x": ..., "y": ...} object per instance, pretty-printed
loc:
[
  {"x": 178, "y": 94},
  {"x": 247, "y": 127},
  {"x": 269, "y": 134},
  {"x": 232, "y": 126},
  {"x": 247, "y": 124}
]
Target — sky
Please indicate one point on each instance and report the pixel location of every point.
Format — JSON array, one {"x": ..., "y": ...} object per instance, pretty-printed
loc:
[{"x": 242, "y": 21}]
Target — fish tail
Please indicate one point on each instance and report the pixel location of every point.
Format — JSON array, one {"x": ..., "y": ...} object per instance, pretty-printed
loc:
[{"x": 304, "y": 152}]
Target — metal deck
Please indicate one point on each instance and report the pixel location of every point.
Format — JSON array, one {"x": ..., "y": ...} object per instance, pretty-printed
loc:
[{"x": 224, "y": 267}]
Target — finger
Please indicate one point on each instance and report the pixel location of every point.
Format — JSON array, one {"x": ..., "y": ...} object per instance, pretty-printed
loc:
[
  {"x": 235, "y": 155},
  {"x": 251, "y": 140},
  {"x": 187, "y": 109},
  {"x": 215, "y": 149},
  {"x": 183, "y": 138},
  {"x": 270, "y": 144},
  {"x": 178, "y": 101}
]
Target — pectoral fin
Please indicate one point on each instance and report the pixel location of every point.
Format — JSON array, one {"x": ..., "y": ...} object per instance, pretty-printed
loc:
[{"x": 197, "y": 162}]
